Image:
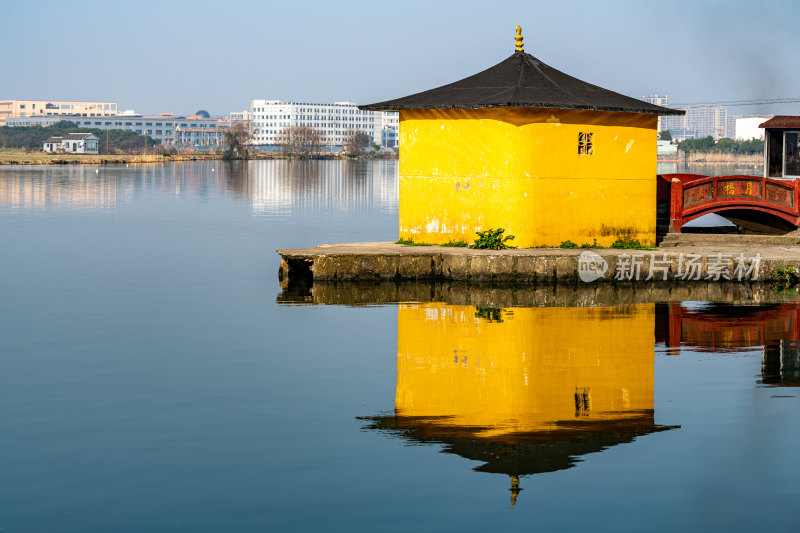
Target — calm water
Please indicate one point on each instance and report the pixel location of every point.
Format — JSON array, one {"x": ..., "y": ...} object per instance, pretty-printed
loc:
[
  {"x": 711, "y": 169},
  {"x": 156, "y": 377}
]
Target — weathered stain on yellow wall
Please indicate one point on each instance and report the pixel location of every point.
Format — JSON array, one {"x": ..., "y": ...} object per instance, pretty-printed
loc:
[
  {"x": 546, "y": 370},
  {"x": 517, "y": 168}
]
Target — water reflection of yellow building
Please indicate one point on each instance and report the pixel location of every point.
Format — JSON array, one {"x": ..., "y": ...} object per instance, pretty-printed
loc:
[
  {"x": 526, "y": 390},
  {"x": 528, "y": 370}
]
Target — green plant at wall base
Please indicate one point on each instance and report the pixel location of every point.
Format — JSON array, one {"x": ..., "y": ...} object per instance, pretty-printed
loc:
[
  {"x": 786, "y": 280},
  {"x": 409, "y": 242},
  {"x": 590, "y": 246},
  {"x": 492, "y": 239},
  {"x": 455, "y": 244},
  {"x": 568, "y": 244},
  {"x": 784, "y": 273},
  {"x": 786, "y": 276},
  {"x": 629, "y": 245}
]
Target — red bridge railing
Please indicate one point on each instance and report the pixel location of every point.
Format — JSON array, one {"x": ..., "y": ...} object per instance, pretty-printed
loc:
[{"x": 690, "y": 196}]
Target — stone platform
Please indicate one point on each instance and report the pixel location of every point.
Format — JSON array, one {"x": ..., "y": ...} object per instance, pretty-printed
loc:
[
  {"x": 730, "y": 259},
  {"x": 501, "y": 295}
]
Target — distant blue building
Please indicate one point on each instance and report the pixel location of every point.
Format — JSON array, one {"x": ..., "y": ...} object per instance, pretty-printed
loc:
[{"x": 194, "y": 130}]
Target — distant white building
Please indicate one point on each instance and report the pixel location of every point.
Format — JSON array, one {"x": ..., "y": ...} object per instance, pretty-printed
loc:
[
  {"x": 53, "y": 144},
  {"x": 698, "y": 122},
  {"x": 391, "y": 128},
  {"x": 666, "y": 148},
  {"x": 662, "y": 101},
  {"x": 239, "y": 116},
  {"x": 270, "y": 117},
  {"x": 747, "y": 127},
  {"x": 74, "y": 143},
  {"x": 170, "y": 130},
  {"x": 54, "y": 108}
]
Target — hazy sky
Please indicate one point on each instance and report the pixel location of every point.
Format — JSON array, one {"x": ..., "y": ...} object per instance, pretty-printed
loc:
[{"x": 170, "y": 56}]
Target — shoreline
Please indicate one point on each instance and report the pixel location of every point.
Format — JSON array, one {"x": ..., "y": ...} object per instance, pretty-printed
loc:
[
  {"x": 506, "y": 295},
  {"x": 33, "y": 158},
  {"x": 21, "y": 158},
  {"x": 713, "y": 158}
]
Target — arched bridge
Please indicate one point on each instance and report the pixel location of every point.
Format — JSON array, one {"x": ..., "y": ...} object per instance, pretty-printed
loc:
[{"x": 760, "y": 205}]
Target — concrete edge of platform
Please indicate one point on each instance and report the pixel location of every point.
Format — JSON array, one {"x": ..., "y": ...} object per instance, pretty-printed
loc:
[
  {"x": 501, "y": 295},
  {"x": 388, "y": 261}
]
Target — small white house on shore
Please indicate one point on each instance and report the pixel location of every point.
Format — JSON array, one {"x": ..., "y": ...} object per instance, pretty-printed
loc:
[
  {"x": 53, "y": 144},
  {"x": 73, "y": 143}
]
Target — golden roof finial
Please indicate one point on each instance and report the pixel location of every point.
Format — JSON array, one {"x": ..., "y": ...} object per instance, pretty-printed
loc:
[
  {"x": 518, "y": 39},
  {"x": 515, "y": 488}
]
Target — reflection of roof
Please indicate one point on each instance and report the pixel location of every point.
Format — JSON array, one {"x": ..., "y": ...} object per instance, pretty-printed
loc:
[
  {"x": 521, "y": 80},
  {"x": 522, "y": 453},
  {"x": 782, "y": 121}
]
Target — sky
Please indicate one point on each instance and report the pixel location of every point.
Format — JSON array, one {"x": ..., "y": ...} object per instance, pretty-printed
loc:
[{"x": 182, "y": 56}]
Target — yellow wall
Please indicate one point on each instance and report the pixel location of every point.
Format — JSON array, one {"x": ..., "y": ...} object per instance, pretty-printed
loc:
[
  {"x": 516, "y": 168},
  {"x": 492, "y": 379}
]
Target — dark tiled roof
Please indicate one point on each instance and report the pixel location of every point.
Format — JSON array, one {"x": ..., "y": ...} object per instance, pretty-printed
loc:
[
  {"x": 522, "y": 81},
  {"x": 76, "y": 136},
  {"x": 782, "y": 122},
  {"x": 54, "y": 139}
]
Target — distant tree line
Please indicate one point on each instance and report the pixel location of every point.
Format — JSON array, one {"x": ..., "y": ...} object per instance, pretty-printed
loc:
[
  {"x": 238, "y": 139},
  {"x": 725, "y": 146},
  {"x": 306, "y": 141},
  {"x": 356, "y": 142},
  {"x": 300, "y": 141},
  {"x": 33, "y": 137}
]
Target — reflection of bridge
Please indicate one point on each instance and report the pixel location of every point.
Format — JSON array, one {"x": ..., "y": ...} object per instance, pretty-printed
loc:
[
  {"x": 718, "y": 327},
  {"x": 758, "y": 205},
  {"x": 721, "y": 327}
]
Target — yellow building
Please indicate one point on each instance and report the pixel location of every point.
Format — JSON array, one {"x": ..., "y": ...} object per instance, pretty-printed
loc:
[
  {"x": 525, "y": 147},
  {"x": 524, "y": 390},
  {"x": 43, "y": 108}
]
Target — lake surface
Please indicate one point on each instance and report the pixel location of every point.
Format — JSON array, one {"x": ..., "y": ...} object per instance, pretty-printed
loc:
[
  {"x": 711, "y": 169},
  {"x": 155, "y": 376}
]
